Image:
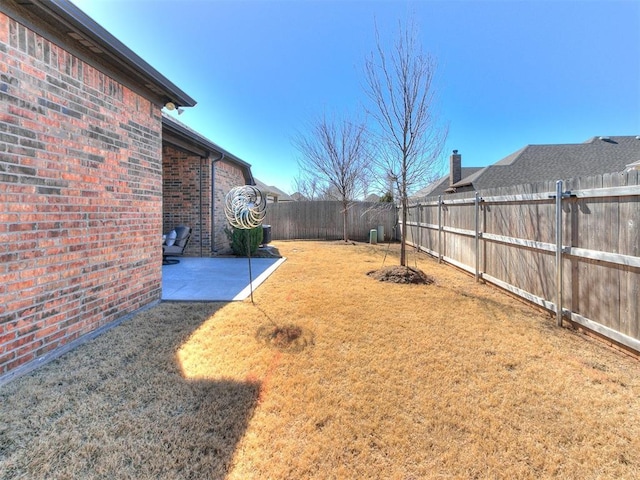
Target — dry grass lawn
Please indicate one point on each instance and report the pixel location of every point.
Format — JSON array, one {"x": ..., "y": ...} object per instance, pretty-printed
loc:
[{"x": 450, "y": 380}]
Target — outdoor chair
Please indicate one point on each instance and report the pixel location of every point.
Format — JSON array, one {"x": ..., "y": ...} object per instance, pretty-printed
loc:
[{"x": 175, "y": 243}]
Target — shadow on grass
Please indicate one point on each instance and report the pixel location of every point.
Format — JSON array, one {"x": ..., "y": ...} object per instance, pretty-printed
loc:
[{"x": 119, "y": 407}]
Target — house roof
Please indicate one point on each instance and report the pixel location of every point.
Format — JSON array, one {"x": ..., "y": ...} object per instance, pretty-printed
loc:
[
  {"x": 633, "y": 166},
  {"x": 86, "y": 35},
  {"x": 440, "y": 186},
  {"x": 273, "y": 191},
  {"x": 535, "y": 163},
  {"x": 181, "y": 136},
  {"x": 298, "y": 197}
]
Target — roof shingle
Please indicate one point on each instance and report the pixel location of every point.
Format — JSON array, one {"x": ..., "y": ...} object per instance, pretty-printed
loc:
[{"x": 536, "y": 163}]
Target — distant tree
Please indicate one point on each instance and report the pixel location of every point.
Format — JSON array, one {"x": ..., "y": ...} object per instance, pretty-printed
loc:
[
  {"x": 399, "y": 84},
  {"x": 387, "y": 198},
  {"x": 334, "y": 155},
  {"x": 307, "y": 187}
]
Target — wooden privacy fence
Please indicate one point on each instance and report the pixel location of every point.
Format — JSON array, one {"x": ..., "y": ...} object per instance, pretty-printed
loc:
[
  {"x": 322, "y": 220},
  {"x": 571, "y": 247}
]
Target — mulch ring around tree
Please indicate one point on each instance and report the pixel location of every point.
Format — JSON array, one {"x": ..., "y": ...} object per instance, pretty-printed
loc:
[{"x": 399, "y": 274}]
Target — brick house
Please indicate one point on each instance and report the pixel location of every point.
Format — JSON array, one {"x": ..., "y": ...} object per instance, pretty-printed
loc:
[
  {"x": 81, "y": 188},
  {"x": 197, "y": 174}
]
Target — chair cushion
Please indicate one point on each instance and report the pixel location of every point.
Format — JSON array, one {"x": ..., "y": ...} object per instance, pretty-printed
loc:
[
  {"x": 182, "y": 233},
  {"x": 171, "y": 238},
  {"x": 172, "y": 250}
]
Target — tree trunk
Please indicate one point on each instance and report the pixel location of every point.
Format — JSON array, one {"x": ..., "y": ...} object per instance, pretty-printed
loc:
[
  {"x": 403, "y": 236},
  {"x": 345, "y": 237},
  {"x": 404, "y": 200}
]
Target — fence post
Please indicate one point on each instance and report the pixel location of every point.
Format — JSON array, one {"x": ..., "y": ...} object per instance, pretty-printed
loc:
[
  {"x": 439, "y": 228},
  {"x": 477, "y": 238},
  {"x": 419, "y": 227},
  {"x": 559, "y": 252}
]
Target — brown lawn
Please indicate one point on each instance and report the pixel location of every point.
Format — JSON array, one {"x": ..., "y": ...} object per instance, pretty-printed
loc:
[{"x": 331, "y": 374}]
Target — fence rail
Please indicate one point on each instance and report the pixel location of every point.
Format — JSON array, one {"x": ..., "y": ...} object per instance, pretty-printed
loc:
[
  {"x": 322, "y": 220},
  {"x": 571, "y": 247}
]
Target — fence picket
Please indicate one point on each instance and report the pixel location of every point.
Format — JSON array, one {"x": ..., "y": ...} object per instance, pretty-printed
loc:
[
  {"x": 322, "y": 220},
  {"x": 600, "y": 217}
]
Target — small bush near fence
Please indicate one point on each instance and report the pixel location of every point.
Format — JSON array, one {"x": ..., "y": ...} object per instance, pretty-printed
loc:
[{"x": 238, "y": 239}]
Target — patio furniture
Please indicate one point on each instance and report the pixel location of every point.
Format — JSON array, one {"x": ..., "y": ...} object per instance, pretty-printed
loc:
[{"x": 174, "y": 243}]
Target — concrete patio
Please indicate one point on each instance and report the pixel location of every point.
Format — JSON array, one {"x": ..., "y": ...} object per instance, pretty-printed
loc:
[{"x": 215, "y": 279}]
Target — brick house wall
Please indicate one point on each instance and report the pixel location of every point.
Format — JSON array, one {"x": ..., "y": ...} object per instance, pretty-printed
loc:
[
  {"x": 187, "y": 197},
  {"x": 187, "y": 186},
  {"x": 226, "y": 176},
  {"x": 80, "y": 197}
]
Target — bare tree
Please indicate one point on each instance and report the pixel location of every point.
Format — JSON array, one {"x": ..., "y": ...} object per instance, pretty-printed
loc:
[
  {"x": 334, "y": 154},
  {"x": 399, "y": 84},
  {"x": 307, "y": 187}
]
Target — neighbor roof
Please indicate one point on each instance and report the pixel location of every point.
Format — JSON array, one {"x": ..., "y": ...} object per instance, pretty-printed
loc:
[
  {"x": 87, "y": 35},
  {"x": 440, "y": 186},
  {"x": 274, "y": 191},
  {"x": 633, "y": 166},
  {"x": 180, "y": 135},
  {"x": 535, "y": 163}
]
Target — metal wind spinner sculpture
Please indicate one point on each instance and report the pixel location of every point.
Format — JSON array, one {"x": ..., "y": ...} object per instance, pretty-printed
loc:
[{"x": 245, "y": 208}]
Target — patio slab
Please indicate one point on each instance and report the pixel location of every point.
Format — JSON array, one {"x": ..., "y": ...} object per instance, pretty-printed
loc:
[{"x": 215, "y": 279}]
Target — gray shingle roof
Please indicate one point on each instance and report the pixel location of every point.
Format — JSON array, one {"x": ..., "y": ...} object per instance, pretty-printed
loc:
[
  {"x": 535, "y": 163},
  {"x": 273, "y": 191},
  {"x": 442, "y": 184}
]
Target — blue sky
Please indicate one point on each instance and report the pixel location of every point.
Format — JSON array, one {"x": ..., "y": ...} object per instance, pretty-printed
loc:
[{"x": 510, "y": 73}]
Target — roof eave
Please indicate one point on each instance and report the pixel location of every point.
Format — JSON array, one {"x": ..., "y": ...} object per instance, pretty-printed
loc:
[
  {"x": 461, "y": 185},
  {"x": 66, "y": 13},
  {"x": 181, "y": 131},
  {"x": 633, "y": 166}
]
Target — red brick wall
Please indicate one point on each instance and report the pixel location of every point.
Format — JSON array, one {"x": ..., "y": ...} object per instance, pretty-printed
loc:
[
  {"x": 227, "y": 176},
  {"x": 187, "y": 198},
  {"x": 80, "y": 198}
]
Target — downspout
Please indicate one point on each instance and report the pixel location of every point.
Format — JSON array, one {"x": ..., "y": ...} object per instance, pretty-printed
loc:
[
  {"x": 213, "y": 202},
  {"x": 200, "y": 177}
]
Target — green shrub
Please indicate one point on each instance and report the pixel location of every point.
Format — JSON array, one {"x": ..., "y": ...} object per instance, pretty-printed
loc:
[
  {"x": 238, "y": 239},
  {"x": 387, "y": 198}
]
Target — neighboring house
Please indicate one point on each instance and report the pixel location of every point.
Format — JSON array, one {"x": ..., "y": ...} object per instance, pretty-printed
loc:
[
  {"x": 633, "y": 166},
  {"x": 197, "y": 174},
  {"x": 273, "y": 194},
  {"x": 81, "y": 188},
  {"x": 298, "y": 197},
  {"x": 537, "y": 163},
  {"x": 443, "y": 184}
]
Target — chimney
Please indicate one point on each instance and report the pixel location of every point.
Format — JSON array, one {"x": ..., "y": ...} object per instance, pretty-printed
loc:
[{"x": 455, "y": 168}]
